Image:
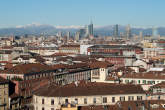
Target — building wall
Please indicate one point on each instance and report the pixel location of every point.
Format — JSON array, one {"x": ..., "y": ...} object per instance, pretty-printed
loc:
[
  {"x": 158, "y": 94},
  {"x": 37, "y": 100},
  {"x": 128, "y": 61},
  {"x": 4, "y": 96},
  {"x": 117, "y": 61},
  {"x": 141, "y": 81},
  {"x": 4, "y": 57},
  {"x": 158, "y": 90},
  {"x": 68, "y": 78},
  {"x": 99, "y": 75},
  {"x": 70, "y": 50},
  {"x": 140, "y": 63},
  {"x": 83, "y": 49},
  {"x": 10, "y": 76}
]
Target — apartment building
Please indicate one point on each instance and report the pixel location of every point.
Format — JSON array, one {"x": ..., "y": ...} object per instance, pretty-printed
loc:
[
  {"x": 4, "y": 94},
  {"x": 157, "y": 92},
  {"x": 85, "y": 93},
  {"x": 69, "y": 49}
]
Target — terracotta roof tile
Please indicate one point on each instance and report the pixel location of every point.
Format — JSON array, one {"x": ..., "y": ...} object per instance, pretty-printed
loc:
[
  {"x": 88, "y": 88},
  {"x": 149, "y": 75},
  {"x": 28, "y": 68},
  {"x": 159, "y": 85}
]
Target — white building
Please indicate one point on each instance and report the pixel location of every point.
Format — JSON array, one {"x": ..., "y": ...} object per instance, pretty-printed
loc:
[{"x": 83, "y": 49}]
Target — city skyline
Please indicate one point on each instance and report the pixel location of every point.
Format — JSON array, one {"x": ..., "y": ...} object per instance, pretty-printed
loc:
[{"x": 73, "y": 12}]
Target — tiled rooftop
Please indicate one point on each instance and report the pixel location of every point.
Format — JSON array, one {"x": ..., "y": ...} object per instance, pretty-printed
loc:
[{"x": 88, "y": 88}]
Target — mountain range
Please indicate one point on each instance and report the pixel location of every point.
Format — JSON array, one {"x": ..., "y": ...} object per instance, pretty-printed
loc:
[{"x": 37, "y": 29}]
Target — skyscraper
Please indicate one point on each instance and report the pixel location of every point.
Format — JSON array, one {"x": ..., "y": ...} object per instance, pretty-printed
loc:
[
  {"x": 141, "y": 35},
  {"x": 82, "y": 33},
  {"x": 68, "y": 36},
  {"x": 87, "y": 31},
  {"x": 90, "y": 29},
  {"x": 77, "y": 36},
  {"x": 59, "y": 35},
  {"x": 128, "y": 32},
  {"x": 115, "y": 31}
]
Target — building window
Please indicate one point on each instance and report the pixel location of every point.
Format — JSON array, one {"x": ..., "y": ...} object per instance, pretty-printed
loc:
[
  {"x": 126, "y": 81},
  {"x": 144, "y": 81},
  {"x": 76, "y": 100},
  {"x": 52, "y": 101},
  {"x": 43, "y": 108},
  {"x": 36, "y": 108},
  {"x": 159, "y": 90},
  {"x": 52, "y": 108},
  {"x": 113, "y": 99},
  {"x": 94, "y": 100},
  {"x": 149, "y": 82},
  {"x": 138, "y": 81},
  {"x": 122, "y": 98},
  {"x": 43, "y": 101},
  {"x": 66, "y": 101},
  {"x": 8, "y": 77},
  {"x": 139, "y": 97},
  {"x": 104, "y": 99},
  {"x": 130, "y": 98},
  {"x": 85, "y": 100}
]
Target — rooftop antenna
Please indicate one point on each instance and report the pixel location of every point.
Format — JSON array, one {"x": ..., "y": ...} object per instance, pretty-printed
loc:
[{"x": 91, "y": 20}]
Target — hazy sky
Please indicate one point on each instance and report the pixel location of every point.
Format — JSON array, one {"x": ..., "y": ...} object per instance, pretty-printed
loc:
[{"x": 79, "y": 12}]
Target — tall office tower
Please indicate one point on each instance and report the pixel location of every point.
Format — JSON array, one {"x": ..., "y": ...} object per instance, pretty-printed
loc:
[
  {"x": 59, "y": 35},
  {"x": 154, "y": 33},
  {"x": 77, "y": 36},
  {"x": 115, "y": 31},
  {"x": 90, "y": 29},
  {"x": 128, "y": 32},
  {"x": 82, "y": 33},
  {"x": 141, "y": 35},
  {"x": 68, "y": 36}
]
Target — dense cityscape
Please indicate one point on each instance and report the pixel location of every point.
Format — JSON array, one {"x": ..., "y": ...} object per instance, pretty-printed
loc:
[
  {"x": 89, "y": 67},
  {"x": 83, "y": 72}
]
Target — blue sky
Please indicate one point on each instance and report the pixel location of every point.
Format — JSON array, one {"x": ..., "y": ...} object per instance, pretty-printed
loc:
[{"x": 79, "y": 12}]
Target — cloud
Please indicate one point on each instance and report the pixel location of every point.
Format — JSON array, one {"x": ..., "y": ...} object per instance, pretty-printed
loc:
[
  {"x": 69, "y": 27},
  {"x": 19, "y": 26},
  {"x": 28, "y": 25}
]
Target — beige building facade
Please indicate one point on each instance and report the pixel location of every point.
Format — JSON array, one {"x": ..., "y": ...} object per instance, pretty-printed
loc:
[
  {"x": 45, "y": 103},
  {"x": 4, "y": 94},
  {"x": 85, "y": 94}
]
